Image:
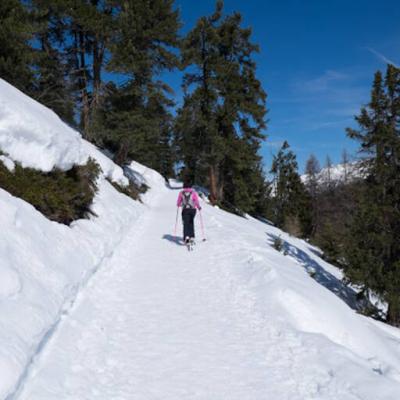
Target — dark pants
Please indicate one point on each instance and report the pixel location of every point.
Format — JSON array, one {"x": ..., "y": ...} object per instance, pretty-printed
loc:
[{"x": 188, "y": 215}]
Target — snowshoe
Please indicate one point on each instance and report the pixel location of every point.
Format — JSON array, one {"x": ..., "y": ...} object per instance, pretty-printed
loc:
[{"x": 190, "y": 243}]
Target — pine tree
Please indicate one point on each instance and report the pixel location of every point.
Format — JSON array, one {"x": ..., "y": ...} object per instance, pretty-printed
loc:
[
  {"x": 190, "y": 139},
  {"x": 312, "y": 170},
  {"x": 197, "y": 129},
  {"x": 224, "y": 109},
  {"x": 16, "y": 54},
  {"x": 312, "y": 185},
  {"x": 291, "y": 202},
  {"x": 135, "y": 117},
  {"x": 52, "y": 85},
  {"x": 373, "y": 250},
  {"x": 345, "y": 162},
  {"x": 89, "y": 25}
]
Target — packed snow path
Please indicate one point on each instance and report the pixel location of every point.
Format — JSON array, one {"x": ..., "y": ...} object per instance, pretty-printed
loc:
[{"x": 158, "y": 322}]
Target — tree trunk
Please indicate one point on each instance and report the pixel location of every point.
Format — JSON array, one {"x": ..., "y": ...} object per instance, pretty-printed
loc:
[
  {"x": 213, "y": 185},
  {"x": 98, "y": 58},
  {"x": 80, "y": 70},
  {"x": 85, "y": 95},
  {"x": 122, "y": 154},
  {"x": 393, "y": 313},
  {"x": 98, "y": 48}
]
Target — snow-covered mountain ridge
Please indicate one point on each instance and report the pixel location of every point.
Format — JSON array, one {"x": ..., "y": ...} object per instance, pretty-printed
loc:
[
  {"x": 115, "y": 308},
  {"x": 339, "y": 173}
]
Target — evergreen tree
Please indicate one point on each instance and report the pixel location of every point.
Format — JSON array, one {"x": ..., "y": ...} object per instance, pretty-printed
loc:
[
  {"x": 373, "y": 250},
  {"x": 312, "y": 170},
  {"x": 197, "y": 123},
  {"x": 135, "y": 119},
  {"x": 345, "y": 162},
  {"x": 16, "y": 54},
  {"x": 291, "y": 209},
  {"x": 190, "y": 140},
  {"x": 312, "y": 185},
  {"x": 89, "y": 26},
  {"x": 52, "y": 85},
  {"x": 219, "y": 126}
]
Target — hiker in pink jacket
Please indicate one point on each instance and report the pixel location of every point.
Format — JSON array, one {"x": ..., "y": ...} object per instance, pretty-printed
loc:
[{"x": 188, "y": 199}]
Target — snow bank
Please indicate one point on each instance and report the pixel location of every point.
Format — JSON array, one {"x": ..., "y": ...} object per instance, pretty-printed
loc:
[
  {"x": 33, "y": 135},
  {"x": 147, "y": 176},
  {"x": 110, "y": 170},
  {"x": 316, "y": 310},
  {"x": 234, "y": 319},
  {"x": 36, "y": 137},
  {"x": 43, "y": 264}
]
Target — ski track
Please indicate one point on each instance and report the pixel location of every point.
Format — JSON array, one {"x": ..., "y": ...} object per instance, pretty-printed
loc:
[
  {"x": 159, "y": 323},
  {"x": 63, "y": 315}
]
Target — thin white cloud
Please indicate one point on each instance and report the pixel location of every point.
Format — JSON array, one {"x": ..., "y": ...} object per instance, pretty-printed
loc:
[
  {"x": 323, "y": 82},
  {"x": 318, "y": 126},
  {"x": 382, "y": 57}
]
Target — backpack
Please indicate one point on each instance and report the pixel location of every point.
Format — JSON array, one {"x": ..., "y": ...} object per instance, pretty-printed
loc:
[{"x": 187, "y": 200}]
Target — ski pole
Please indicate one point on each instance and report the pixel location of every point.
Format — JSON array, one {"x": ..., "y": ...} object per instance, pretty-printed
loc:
[
  {"x": 202, "y": 225},
  {"x": 176, "y": 220}
]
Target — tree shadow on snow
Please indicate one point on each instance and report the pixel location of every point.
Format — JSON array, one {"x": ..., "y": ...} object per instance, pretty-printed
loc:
[
  {"x": 174, "y": 239},
  {"x": 323, "y": 277}
]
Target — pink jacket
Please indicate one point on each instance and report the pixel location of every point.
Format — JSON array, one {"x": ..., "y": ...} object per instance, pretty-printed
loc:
[{"x": 195, "y": 198}]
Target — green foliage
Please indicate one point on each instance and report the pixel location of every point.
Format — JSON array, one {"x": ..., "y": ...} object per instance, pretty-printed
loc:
[
  {"x": 373, "y": 248},
  {"x": 333, "y": 211},
  {"x": 62, "y": 196},
  {"x": 86, "y": 30},
  {"x": 278, "y": 243},
  {"x": 52, "y": 87},
  {"x": 147, "y": 30},
  {"x": 291, "y": 202},
  {"x": 134, "y": 119},
  {"x": 136, "y": 130},
  {"x": 329, "y": 240},
  {"x": 16, "y": 55},
  {"x": 219, "y": 127}
]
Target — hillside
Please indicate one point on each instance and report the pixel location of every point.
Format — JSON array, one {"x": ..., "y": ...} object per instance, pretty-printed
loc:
[{"x": 114, "y": 307}]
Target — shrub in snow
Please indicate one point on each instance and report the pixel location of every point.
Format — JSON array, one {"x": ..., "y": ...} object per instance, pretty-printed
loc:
[
  {"x": 132, "y": 190},
  {"x": 62, "y": 196},
  {"x": 278, "y": 243}
]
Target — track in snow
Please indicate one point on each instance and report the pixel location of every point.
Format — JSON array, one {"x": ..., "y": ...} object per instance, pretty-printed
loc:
[{"x": 163, "y": 323}]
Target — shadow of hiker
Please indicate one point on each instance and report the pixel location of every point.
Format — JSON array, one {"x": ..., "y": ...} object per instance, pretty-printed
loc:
[
  {"x": 174, "y": 239},
  {"x": 323, "y": 277}
]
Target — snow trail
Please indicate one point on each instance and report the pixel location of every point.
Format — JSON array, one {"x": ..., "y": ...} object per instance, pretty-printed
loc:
[{"x": 159, "y": 322}]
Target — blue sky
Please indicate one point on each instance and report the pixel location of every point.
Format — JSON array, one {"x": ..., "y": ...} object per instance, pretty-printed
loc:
[{"x": 316, "y": 64}]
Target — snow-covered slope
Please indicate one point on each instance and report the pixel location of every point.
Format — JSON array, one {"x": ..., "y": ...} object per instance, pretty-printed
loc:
[
  {"x": 115, "y": 308},
  {"x": 234, "y": 319},
  {"x": 43, "y": 265},
  {"x": 36, "y": 137}
]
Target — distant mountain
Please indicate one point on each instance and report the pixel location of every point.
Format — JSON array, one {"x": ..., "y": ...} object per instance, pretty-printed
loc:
[{"x": 339, "y": 173}]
